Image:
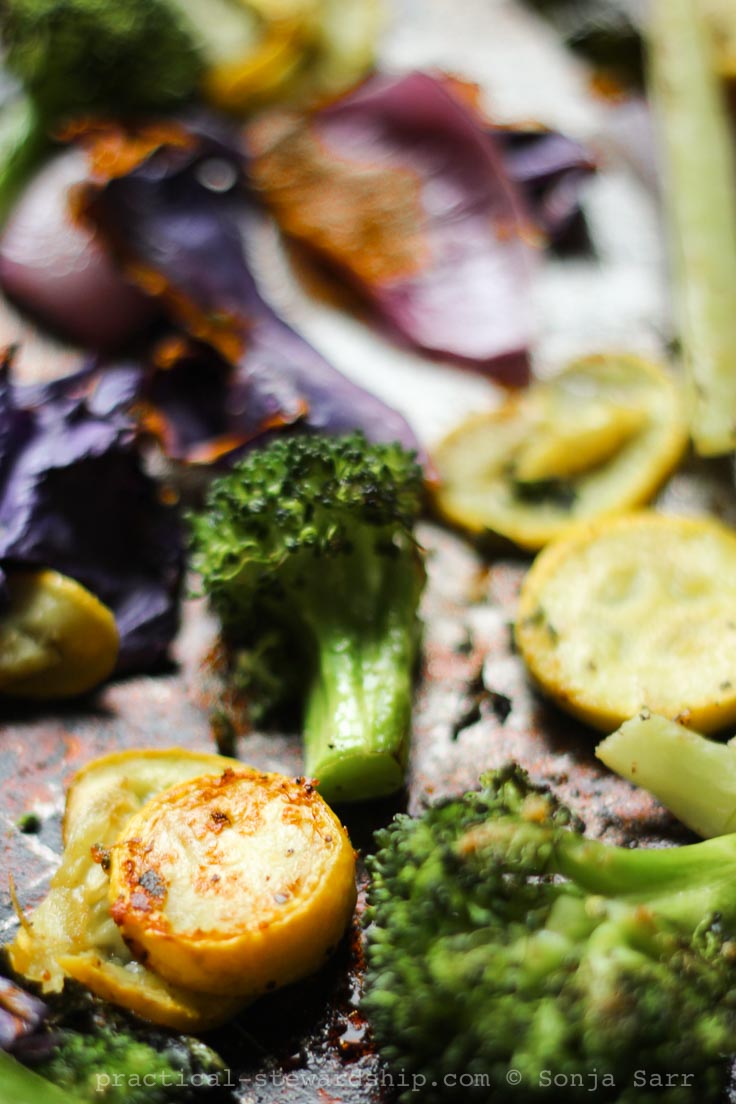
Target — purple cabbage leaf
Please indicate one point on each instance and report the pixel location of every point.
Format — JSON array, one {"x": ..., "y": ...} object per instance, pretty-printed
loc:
[
  {"x": 401, "y": 190},
  {"x": 550, "y": 169},
  {"x": 179, "y": 222},
  {"x": 21, "y": 1014}
]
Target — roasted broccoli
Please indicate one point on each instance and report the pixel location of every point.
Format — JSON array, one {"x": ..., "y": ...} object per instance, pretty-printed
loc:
[
  {"x": 307, "y": 553},
  {"x": 87, "y": 57},
  {"x": 693, "y": 776},
  {"x": 123, "y": 1069},
  {"x": 76, "y": 57},
  {"x": 103, "y": 1056},
  {"x": 508, "y": 955}
]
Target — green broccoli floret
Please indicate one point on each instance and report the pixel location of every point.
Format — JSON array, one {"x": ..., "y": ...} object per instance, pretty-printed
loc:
[
  {"x": 81, "y": 1049},
  {"x": 76, "y": 57},
  {"x": 117, "y": 1067},
  {"x": 308, "y": 555},
  {"x": 506, "y": 949},
  {"x": 90, "y": 57}
]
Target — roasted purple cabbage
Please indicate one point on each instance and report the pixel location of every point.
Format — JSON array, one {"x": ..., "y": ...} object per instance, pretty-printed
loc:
[
  {"x": 400, "y": 189},
  {"x": 178, "y": 222},
  {"x": 21, "y": 1015}
]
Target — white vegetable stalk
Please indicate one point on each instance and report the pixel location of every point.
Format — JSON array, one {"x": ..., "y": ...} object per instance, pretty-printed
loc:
[{"x": 700, "y": 187}]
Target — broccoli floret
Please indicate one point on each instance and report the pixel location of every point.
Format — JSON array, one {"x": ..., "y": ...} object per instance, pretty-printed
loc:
[
  {"x": 308, "y": 555},
  {"x": 92, "y": 1050},
  {"x": 76, "y": 57},
  {"x": 122, "y": 1069},
  {"x": 501, "y": 939},
  {"x": 90, "y": 57}
]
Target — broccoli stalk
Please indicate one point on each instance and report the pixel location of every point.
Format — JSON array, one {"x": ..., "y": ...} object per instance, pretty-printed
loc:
[
  {"x": 23, "y": 1086},
  {"x": 678, "y": 883},
  {"x": 358, "y": 709},
  {"x": 499, "y": 938},
  {"x": 694, "y": 777},
  {"x": 24, "y": 145},
  {"x": 307, "y": 553}
]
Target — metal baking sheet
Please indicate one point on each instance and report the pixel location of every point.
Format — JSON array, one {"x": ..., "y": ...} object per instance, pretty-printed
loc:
[{"x": 475, "y": 708}]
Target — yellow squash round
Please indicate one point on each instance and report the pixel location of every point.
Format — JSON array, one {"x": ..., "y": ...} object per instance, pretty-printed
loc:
[
  {"x": 56, "y": 639},
  {"x": 234, "y": 883},
  {"x": 597, "y": 439},
  {"x": 635, "y": 611},
  {"x": 72, "y": 933}
]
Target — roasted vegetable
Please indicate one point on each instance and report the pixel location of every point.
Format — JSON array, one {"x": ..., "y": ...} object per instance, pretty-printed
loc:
[
  {"x": 73, "y": 934},
  {"x": 235, "y": 883},
  {"x": 596, "y": 439},
  {"x": 74, "y": 497},
  {"x": 504, "y": 948},
  {"x": 176, "y": 217},
  {"x": 694, "y": 777},
  {"x": 77, "y": 58},
  {"x": 54, "y": 267},
  {"x": 357, "y": 183},
  {"x": 302, "y": 49},
  {"x": 308, "y": 555},
  {"x": 700, "y": 183},
  {"x": 143, "y": 58},
  {"x": 82, "y": 57},
  {"x": 23, "y": 1086},
  {"x": 108, "y": 1060},
  {"x": 80, "y": 1049},
  {"x": 245, "y": 882},
  {"x": 21, "y": 1014},
  {"x": 631, "y": 612},
  {"x": 56, "y": 639}
]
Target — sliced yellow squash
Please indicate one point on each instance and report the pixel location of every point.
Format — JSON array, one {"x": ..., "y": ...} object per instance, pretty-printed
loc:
[
  {"x": 721, "y": 16},
  {"x": 103, "y": 795},
  {"x": 597, "y": 439},
  {"x": 189, "y": 885},
  {"x": 72, "y": 934},
  {"x": 239, "y": 84},
  {"x": 635, "y": 611},
  {"x": 56, "y": 639},
  {"x": 261, "y": 51},
  {"x": 235, "y": 883}
]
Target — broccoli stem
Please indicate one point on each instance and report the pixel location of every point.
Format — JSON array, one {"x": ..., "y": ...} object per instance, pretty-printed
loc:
[
  {"x": 24, "y": 145},
  {"x": 22, "y": 1086},
  {"x": 685, "y": 884},
  {"x": 357, "y": 716},
  {"x": 358, "y": 706},
  {"x": 694, "y": 777}
]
